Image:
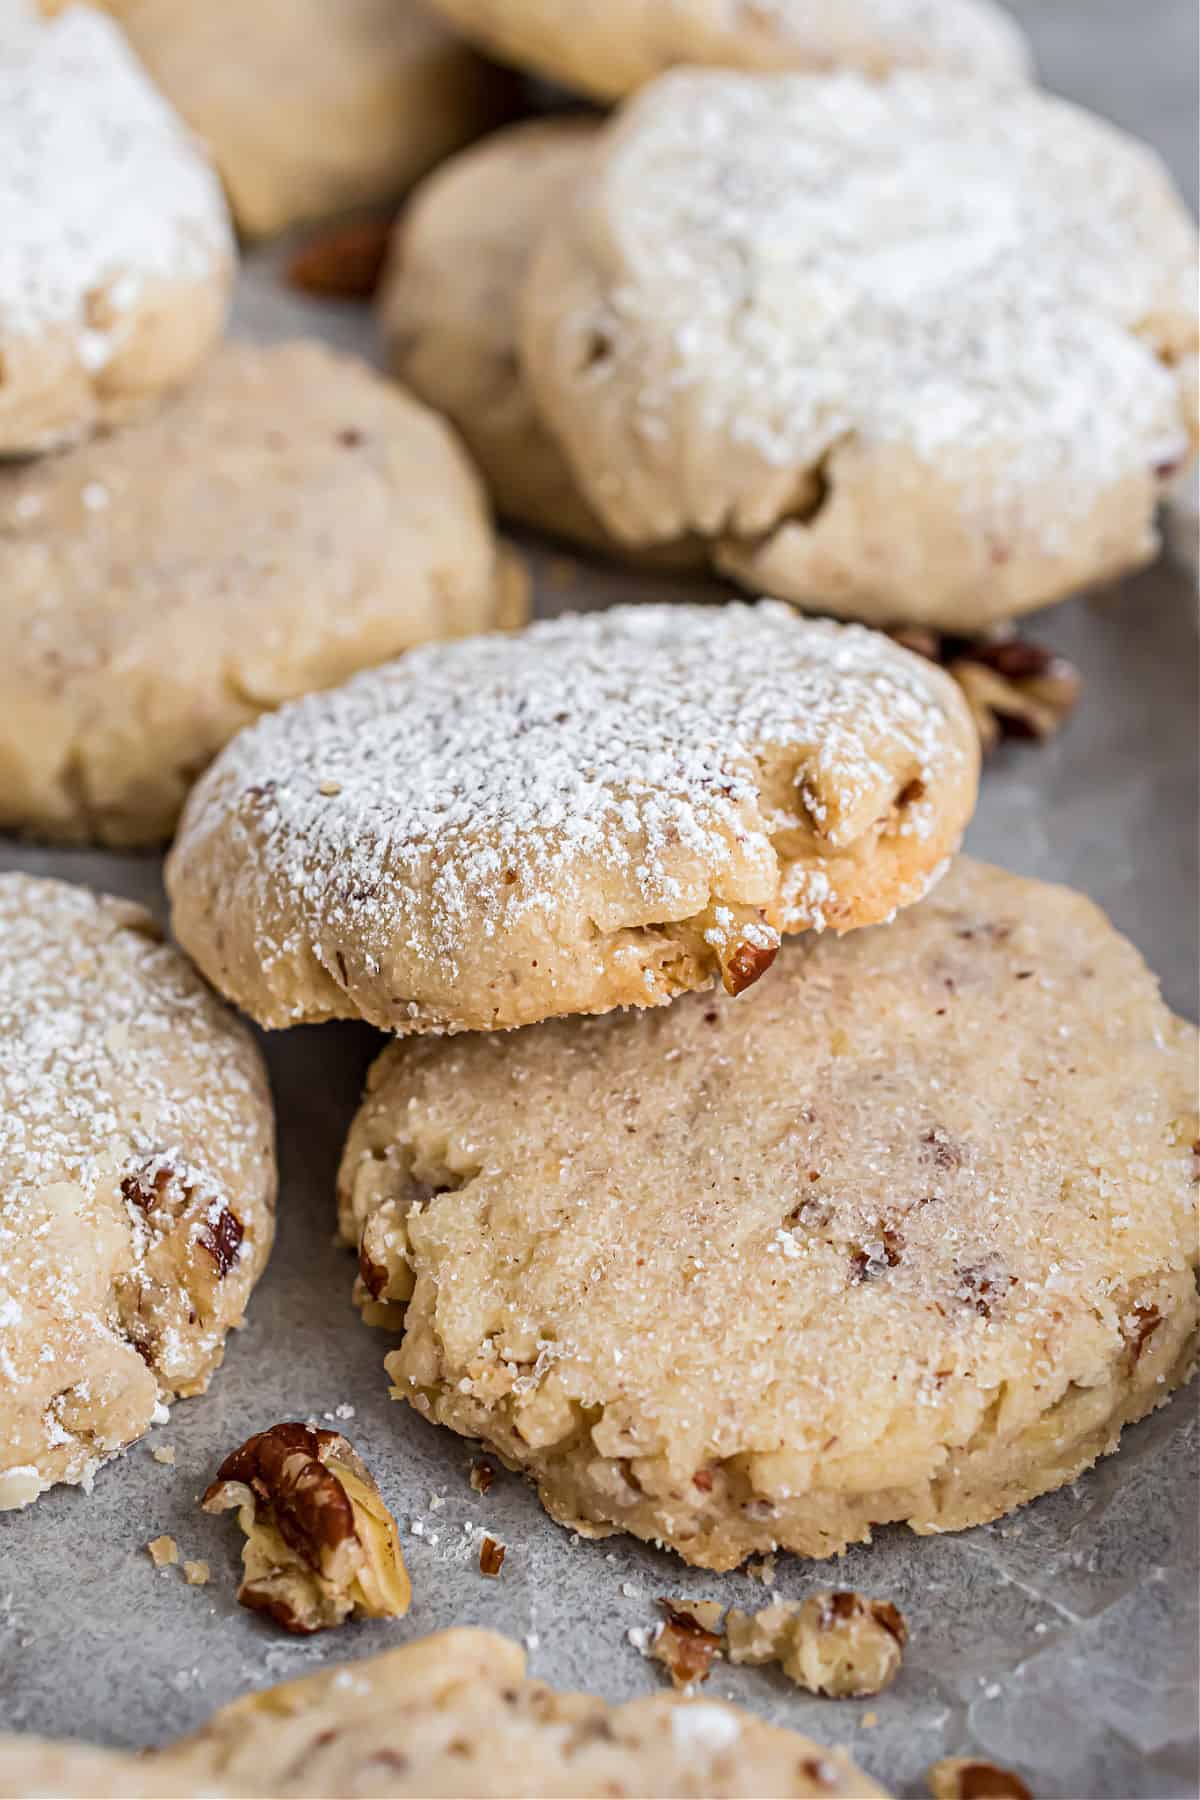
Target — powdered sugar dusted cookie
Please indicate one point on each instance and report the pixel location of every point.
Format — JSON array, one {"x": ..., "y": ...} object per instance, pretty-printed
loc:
[
  {"x": 312, "y": 108},
  {"x": 612, "y": 49},
  {"x": 450, "y": 1714},
  {"x": 290, "y": 519},
  {"x": 117, "y": 248},
  {"x": 596, "y": 812},
  {"x": 907, "y": 1234},
  {"x": 909, "y": 351},
  {"x": 137, "y": 1180}
]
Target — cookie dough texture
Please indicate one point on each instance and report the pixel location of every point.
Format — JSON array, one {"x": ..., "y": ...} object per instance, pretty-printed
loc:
[
  {"x": 919, "y": 350},
  {"x": 137, "y": 1180},
  {"x": 289, "y": 520},
  {"x": 908, "y": 1233},
  {"x": 448, "y": 307},
  {"x": 311, "y": 107},
  {"x": 600, "y": 811},
  {"x": 118, "y": 255},
  {"x": 452, "y": 1714},
  {"x": 609, "y": 50}
]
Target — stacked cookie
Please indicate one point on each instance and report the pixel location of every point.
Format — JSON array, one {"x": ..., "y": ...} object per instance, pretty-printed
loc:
[
  {"x": 902, "y": 1232},
  {"x": 286, "y": 519}
]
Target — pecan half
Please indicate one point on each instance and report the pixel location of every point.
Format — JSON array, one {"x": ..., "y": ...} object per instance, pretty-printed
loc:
[
  {"x": 1014, "y": 687},
  {"x": 687, "y": 1640},
  {"x": 841, "y": 1644},
  {"x": 967, "y": 1778},
  {"x": 320, "y": 1543}
]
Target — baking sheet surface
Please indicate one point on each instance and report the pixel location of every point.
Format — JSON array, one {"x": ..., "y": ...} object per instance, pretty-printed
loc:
[{"x": 1061, "y": 1641}]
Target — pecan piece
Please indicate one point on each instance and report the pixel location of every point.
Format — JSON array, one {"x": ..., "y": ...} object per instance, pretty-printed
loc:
[
  {"x": 1014, "y": 687},
  {"x": 841, "y": 1644},
  {"x": 320, "y": 1543},
  {"x": 343, "y": 262},
  {"x": 967, "y": 1778},
  {"x": 687, "y": 1640},
  {"x": 745, "y": 944},
  {"x": 491, "y": 1556}
]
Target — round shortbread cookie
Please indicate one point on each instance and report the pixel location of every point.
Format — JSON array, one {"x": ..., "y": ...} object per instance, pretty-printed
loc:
[
  {"x": 137, "y": 1180},
  {"x": 312, "y": 108},
  {"x": 289, "y": 520},
  {"x": 612, "y": 49},
  {"x": 448, "y": 306},
  {"x": 451, "y": 1714},
  {"x": 117, "y": 251},
  {"x": 910, "y": 351},
  {"x": 907, "y": 1234},
  {"x": 599, "y": 811}
]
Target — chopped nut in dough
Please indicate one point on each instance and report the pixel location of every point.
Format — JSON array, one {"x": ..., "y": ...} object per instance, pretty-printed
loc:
[
  {"x": 968, "y": 1778},
  {"x": 840, "y": 1644},
  {"x": 688, "y": 1639},
  {"x": 320, "y": 1543}
]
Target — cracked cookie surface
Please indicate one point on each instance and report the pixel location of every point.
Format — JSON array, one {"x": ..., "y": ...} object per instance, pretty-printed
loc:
[
  {"x": 612, "y": 49},
  {"x": 289, "y": 520},
  {"x": 451, "y": 1714},
  {"x": 599, "y": 811},
  {"x": 918, "y": 350},
  {"x": 907, "y": 1233},
  {"x": 137, "y": 1180},
  {"x": 118, "y": 252}
]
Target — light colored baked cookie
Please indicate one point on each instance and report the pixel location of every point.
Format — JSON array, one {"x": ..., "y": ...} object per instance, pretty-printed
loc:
[
  {"x": 451, "y": 1714},
  {"x": 905, "y": 351},
  {"x": 612, "y": 49},
  {"x": 312, "y": 108},
  {"x": 907, "y": 1234},
  {"x": 290, "y": 519},
  {"x": 448, "y": 308},
  {"x": 600, "y": 811},
  {"x": 137, "y": 1180},
  {"x": 117, "y": 252}
]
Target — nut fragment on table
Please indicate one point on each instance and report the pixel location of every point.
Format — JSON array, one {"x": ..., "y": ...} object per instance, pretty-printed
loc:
[
  {"x": 841, "y": 1644},
  {"x": 163, "y": 1551},
  {"x": 1014, "y": 687},
  {"x": 688, "y": 1639},
  {"x": 320, "y": 1543},
  {"x": 491, "y": 1556},
  {"x": 969, "y": 1778},
  {"x": 342, "y": 261}
]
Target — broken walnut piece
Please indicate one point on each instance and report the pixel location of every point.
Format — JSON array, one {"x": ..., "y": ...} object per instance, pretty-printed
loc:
[
  {"x": 842, "y": 1644},
  {"x": 1014, "y": 687},
  {"x": 687, "y": 1640},
  {"x": 969, "y": 1778},
  {"x": 320, "y": 1543},
  {"x": 342, "y": 262}
]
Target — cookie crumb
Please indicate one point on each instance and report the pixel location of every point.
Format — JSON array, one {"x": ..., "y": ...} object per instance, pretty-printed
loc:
[
  {"x": 763, "y": 1570},
  {"x": 688, "y": 1640},
  {"x": 163, "y": 1551},
  {"x": 482, "y": 1475},
  {"x": 196, "y": 1574},
  {"x": 841, "y": 1644},
  {"x": 969, "y": 1778},
  {"x": 164, "y": 1453},
  {"x": 491, "y": 1556}
]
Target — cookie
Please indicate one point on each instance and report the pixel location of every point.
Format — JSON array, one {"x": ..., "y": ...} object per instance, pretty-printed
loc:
[
  {"x": 137, "y": 1180},
  {"x": 451, "y": 1714},
  {"x": 907, "y": 1234},
  {"x": 448, "y": 308},
  {"x": 311, "y": 108},
  {"x": 118, "y": 255},
  {"x": 600, "y": 811},
  {"x": 909, "y": 351},
  {"x": 610, "y": 50},
  {"x": 290, "y": 519}
]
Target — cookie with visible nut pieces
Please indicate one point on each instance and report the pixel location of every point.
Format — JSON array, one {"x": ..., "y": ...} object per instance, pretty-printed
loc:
[
  {"x": 453, "y": 1714},
  {"x": 137, "y": 1180},
  {"x": 118, "y": 251},
  {"x": 289, "y": 520},
  {"x": 920, "y": 350},
  {"x": 599, "y": 811},
  {"x": 908, "y": 1234}
]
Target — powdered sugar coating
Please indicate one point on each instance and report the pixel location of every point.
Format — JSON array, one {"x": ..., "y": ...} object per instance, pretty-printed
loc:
[
  {"x": 491, "y": 831},
  {"x": 866, "y": 313},
  {"x": 136, "y": 1179}
]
